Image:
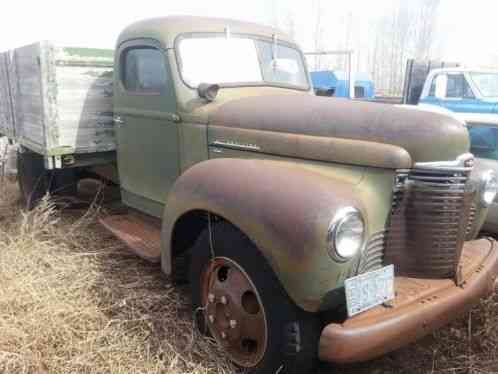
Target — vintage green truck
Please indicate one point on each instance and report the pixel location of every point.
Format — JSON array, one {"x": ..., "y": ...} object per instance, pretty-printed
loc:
[{"x": 308, "y": 227}]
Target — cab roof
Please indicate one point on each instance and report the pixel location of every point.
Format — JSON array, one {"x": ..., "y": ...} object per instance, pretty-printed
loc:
[
  {"x": 464, "y": 70},
  {"x": 166, "y": 29}
]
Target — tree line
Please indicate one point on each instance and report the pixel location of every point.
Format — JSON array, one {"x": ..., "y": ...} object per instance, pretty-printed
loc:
[{"x": 381, "y": 44}]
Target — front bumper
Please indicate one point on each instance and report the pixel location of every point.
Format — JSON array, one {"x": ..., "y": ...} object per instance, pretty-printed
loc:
[{"x": 420, "y": 306}]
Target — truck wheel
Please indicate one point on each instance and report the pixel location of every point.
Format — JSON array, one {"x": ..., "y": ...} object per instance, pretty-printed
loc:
[
  {"x": 32, "y": 177},
  {"x": 64, "y": 182},
  {"x": 35, "y": 181},
  {"x": 243, "y": 306}
]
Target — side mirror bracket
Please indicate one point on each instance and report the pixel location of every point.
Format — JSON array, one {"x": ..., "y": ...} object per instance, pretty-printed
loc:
[{"x": 208, "y": 91}]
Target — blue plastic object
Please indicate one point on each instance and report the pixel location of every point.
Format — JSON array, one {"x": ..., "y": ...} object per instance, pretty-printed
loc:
[{"x": 336, "y": 83}]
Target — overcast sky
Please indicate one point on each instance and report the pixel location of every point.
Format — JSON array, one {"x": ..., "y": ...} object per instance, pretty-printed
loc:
[{"x": 467, "y": 29}]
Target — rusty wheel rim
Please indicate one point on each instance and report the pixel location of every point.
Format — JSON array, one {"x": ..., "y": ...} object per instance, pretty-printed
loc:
[{"x": 233, "y": 311}]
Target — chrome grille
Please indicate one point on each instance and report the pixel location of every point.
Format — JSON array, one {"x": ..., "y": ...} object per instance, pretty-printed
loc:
[
  {"x": 469, "y": 233},
  {"x": 372, "y": 257},
  {"x": 429, "y": 219}
]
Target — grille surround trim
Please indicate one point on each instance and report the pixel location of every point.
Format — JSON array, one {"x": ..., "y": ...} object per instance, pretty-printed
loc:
[
  {"x": 429, "y": 218},
  {"x": 372, "y": 257}
]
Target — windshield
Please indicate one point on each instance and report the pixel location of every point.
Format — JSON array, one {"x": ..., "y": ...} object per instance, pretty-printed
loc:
[
  {"x": 487, "y": 83},
  {"x": 240, "y": 60}
]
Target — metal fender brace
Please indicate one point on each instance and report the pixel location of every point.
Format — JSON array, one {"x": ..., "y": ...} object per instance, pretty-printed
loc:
[
  {"x": 202, "y": 308},
  {"x": 210, "y": 229}
]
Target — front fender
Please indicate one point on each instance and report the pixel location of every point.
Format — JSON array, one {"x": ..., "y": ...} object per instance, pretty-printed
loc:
[{"x": 284, "y": 208}]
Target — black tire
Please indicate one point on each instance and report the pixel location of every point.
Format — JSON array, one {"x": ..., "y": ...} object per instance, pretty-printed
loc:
[
  {"x": 35, "y": 181},
  {"x": 32, "y": 177},
  {"x": 64, "y": 182},
  {"x": 292, "y": 334}
]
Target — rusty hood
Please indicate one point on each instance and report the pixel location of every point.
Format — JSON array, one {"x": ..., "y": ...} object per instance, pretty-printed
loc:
[{"x": 307, "y": 126}]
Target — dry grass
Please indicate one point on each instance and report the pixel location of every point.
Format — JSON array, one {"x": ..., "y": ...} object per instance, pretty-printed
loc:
[{"x": 72, "y": 300}]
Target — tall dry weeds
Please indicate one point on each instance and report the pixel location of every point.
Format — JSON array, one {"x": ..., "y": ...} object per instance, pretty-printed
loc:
[{"x": 72, "y": 300}]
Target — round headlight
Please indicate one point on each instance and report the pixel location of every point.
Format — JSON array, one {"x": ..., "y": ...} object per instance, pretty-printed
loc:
[
  {"x": 346, "y": 233},
  {"x": 489, "y": 187}
]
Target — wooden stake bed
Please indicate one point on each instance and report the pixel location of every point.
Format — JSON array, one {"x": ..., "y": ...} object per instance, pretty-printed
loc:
[
  {"x": 141, "y": 234},
  {"x": 57, "y": 100}
]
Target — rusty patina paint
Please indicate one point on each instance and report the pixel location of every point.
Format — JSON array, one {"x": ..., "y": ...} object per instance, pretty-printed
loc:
[
  {"x": 419, "y": 308},
  {"x": 139, "y": 232},
  {"x": 425, "y": 136},
  {"x": 266, "y": 201},
  {"x": 232, "y": 322},
  {"x": 319, "y": 148}
]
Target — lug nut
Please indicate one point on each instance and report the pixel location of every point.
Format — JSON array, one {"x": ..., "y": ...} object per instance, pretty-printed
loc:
[
  {"x": 211, "y": 298},
  {"x": 233, "y": 323},
  {"x": 223, "y": 335},
  {"x": 211, "y": 318},
  {"x": 224, "y": 300}
]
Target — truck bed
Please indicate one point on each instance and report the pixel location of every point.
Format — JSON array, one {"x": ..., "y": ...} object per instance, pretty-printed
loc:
[
  {"x": 6, "y": 115},
  {"x": 60, "y": 98}
]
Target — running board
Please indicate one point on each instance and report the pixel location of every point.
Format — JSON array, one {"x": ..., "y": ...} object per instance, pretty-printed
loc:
[{"x": 141, "y": 234}]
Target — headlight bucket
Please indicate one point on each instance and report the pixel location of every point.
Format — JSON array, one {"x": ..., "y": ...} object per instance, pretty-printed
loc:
[
  {"x": 346, "y": 234},
  {"x": 488, "y": 188}
]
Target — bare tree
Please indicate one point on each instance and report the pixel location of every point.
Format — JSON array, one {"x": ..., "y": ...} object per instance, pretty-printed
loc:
[
  {"x": 407, "y": 31},
  {"x": 426, "y": 25},
  {"x": 286, "y": 22},
  {"x": 289, "y": 26},
  {"x": 318, "y": 32}
]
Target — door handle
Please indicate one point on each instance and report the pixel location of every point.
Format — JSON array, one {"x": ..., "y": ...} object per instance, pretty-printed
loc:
[{"x": 118, "y": 120}]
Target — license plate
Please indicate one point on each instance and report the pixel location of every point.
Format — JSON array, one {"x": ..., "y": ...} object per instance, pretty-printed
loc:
[{"x": 370, "y": 289}]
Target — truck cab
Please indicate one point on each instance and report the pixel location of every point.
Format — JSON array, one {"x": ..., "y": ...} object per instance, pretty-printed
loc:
[
  {"x": 158, "y": 112},
  {"x": 307, "y": 227},
  {"x": 462, "y": 90}
]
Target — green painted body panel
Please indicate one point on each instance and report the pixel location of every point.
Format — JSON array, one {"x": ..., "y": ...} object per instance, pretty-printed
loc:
[
  {"x": 371, "y": 187},
  {"x": 91, "y": 54},
  {"x": 166, "y": 29},
  {"x": 148, "y": 140},
  {"x": 284, "y": 207},
  {"x": 143, "y": 204},
  {"x": 193, "y": 143}
]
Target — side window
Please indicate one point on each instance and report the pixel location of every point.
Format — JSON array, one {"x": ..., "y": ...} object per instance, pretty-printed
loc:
[
  {"x": 467, "y": 91},
  {"x": 458, "y": 87},
  {"x": 432, "y": 91},
  {"x": 483, "y": 141},
  {"x": 143, "y": 70}
]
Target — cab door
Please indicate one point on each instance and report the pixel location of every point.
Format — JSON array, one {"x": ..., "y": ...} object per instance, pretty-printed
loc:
[
  {"x": 459, "y": 96},
  {"x": 146, "y": 131}
]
